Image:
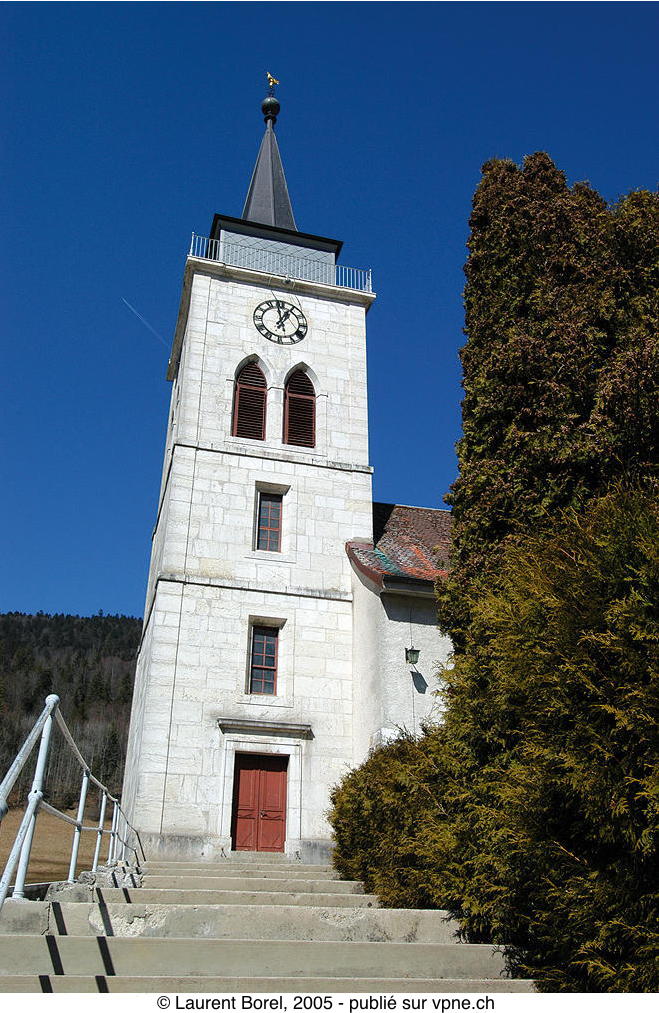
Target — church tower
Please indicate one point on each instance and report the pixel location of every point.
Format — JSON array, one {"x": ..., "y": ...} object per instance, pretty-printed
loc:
[{"x": 244, "y": 707}]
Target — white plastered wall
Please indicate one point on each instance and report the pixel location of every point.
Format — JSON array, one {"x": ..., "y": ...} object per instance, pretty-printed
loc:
[{"x": 391, "y": 695}]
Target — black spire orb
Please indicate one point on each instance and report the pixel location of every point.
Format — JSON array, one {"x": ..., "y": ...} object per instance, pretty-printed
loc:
[{"x": 270, "y": 108}]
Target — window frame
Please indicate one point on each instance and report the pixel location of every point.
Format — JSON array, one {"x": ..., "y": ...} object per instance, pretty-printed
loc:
[
  {"x": 264, "y": 495},
  {"x": 257, "y": 630}
]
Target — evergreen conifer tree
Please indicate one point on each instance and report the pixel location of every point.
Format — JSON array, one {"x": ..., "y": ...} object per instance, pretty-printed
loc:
[
  {"x": 532, "y": 813},
  {"x": 561, "y": 363}
]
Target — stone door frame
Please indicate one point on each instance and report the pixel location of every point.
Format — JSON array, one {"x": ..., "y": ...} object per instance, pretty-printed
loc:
[{"x": 262, "y": 745}]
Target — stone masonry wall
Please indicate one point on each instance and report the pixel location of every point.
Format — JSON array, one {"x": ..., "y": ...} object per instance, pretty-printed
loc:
[{"x": 208, "y": 584}]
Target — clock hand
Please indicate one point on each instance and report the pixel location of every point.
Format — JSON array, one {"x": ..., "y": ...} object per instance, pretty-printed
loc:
[
  {"x": 283, "y": 319},
  {"x": 275, "y": 304}
]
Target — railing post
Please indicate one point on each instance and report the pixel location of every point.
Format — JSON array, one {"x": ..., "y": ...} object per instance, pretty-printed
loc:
[
  {"x": 99, "y": 836},
  {"x": 36, "y": 794},
  {"x": 79, "y": 821},
  {"x": 123, "y": 826},
  {"x": 191, "y": 245},
  {"x": 113, "y": 834}
]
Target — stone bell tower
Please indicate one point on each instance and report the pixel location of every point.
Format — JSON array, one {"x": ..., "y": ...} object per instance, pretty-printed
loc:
[{"x": 243, "y": 713}]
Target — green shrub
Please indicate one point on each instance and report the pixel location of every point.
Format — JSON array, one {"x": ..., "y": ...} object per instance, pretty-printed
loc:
[
  {"x": 388, "y": 819},
  {"x": 532, "y": 812}
]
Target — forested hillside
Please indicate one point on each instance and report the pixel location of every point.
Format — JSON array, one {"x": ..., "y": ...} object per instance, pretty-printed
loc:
[{"x": 89, "y": 661}]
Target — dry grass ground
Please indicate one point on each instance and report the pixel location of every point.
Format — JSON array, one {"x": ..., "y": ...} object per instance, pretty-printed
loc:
[{"x": 51, "y": 849}]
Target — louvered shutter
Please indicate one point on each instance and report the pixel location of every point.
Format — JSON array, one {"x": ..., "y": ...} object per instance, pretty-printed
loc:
[
  {"x": 300, "y": 411},
  {"x": 249, "y": 403}
]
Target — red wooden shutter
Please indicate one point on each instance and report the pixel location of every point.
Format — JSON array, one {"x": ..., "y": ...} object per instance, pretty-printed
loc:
[
  {"x": 300, "y": 411},
  {"x": 249, "y": 403}
]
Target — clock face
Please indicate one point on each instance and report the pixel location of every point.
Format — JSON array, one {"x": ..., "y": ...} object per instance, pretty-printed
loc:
[{"x": 280, "y": 321}]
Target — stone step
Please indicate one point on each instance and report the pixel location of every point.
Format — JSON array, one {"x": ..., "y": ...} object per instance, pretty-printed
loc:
[
  {"x": 138, "y": 895},
  {"x": 250, "y": 871},
  {"x": 140, "y": 956},
  {"x": 244, "y": 857},
  {"x": 228, "y": 921},
  {"x": 275, "y": 986},
  {"x": 261, "y": 856},
  {"x": 272, "y": 885},
  {"x": 237, "y": 858},
  {"x": 250, "y": 858}
]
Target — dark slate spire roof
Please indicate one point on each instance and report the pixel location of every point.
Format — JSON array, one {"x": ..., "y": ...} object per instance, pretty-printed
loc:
[{"x": 267, "y": 200}]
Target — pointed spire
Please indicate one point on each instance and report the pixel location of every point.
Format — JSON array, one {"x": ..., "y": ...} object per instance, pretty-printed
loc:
[{"x": 267, "y": 199}]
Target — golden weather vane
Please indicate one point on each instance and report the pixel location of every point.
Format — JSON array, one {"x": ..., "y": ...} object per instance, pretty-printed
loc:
[{"x": 272, "y": 81}]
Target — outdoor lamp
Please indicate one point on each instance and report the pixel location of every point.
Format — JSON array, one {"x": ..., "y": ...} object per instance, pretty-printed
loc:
[{"x": 412, "y": 655}]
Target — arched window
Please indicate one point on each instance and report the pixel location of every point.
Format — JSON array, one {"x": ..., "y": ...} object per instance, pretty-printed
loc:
[
  {"x": 249, "y": 399},
  {"x": 300, "y": 410}
]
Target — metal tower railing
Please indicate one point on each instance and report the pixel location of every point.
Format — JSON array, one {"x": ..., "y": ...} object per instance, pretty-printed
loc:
[{"x": 286, "y": 265}]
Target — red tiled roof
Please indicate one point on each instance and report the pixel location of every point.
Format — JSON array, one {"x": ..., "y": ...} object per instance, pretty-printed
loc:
[{"x": 410, "y": 543}]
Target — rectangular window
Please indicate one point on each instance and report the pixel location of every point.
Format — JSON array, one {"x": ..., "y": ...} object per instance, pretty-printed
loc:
[
  {"x": 268, "y": 533},
  {"x": 263, "y": 667}
]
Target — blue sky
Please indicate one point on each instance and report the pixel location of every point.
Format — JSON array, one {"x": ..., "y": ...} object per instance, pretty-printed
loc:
[{"x": 126, "y": 126}]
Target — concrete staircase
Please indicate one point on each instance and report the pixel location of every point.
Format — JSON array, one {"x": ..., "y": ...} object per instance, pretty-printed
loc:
[{"x": 255, "y": 923}]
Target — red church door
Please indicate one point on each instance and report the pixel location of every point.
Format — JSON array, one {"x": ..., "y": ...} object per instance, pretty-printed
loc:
[{"x": 259, "y": 802}]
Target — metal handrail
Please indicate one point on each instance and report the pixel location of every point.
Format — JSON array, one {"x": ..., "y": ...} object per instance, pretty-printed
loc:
[
  {"x": 22, "y": 846},
  {"x": 23, "y": 754},
  {"x": 260, "y": 258}
]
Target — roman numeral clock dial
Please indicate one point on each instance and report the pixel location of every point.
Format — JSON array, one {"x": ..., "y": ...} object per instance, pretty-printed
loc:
[{"x": 280, "y": 322}]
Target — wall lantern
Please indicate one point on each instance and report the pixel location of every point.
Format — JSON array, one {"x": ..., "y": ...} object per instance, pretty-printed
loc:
[{"x": 412, "y": 655}]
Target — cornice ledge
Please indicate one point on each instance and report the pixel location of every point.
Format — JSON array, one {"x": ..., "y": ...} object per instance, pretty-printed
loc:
[
  {"x": 259, "y": 726},
  {"x": 267, "y": 454},
  {"x": 247, "y": 585},
  {"x": 220, "y": 269}
]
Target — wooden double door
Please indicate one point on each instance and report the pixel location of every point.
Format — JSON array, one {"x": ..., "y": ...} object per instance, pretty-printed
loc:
[{"x": 259, "y": 802}]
